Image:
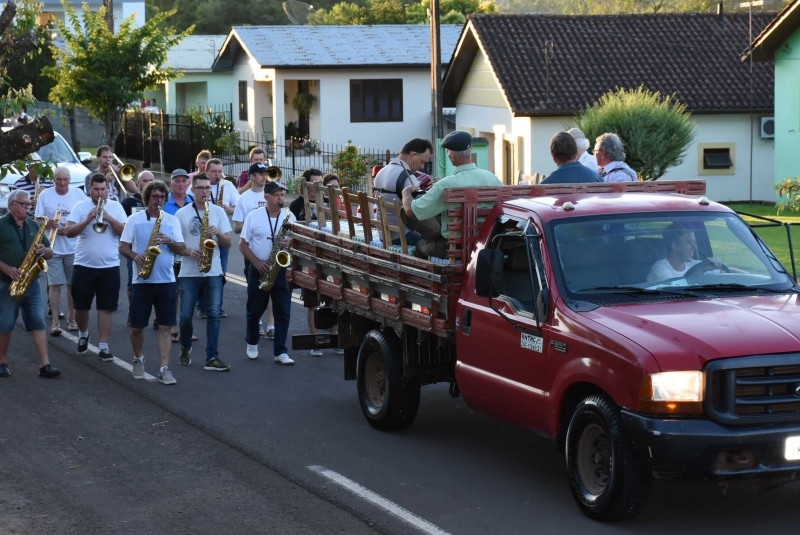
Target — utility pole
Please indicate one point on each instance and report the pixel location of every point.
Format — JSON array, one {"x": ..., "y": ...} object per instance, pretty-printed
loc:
[
  {"x": 750, "y": 5},
  {"x": 436, "y": 83},
  {"x": 109, "y": 5}
]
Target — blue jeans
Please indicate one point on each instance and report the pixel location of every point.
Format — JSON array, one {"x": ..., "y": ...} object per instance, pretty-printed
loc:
[
  {"x": 257, "y": 303},
  {"x": 223, "y": 259},
  {"x": 189, "y": 290},
  {"x": 31, "y": 304}
]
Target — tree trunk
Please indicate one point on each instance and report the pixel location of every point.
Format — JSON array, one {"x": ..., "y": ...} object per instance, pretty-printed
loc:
[
  {"x": 73, "y": 130},
  {"x": 23, "y": 140}
]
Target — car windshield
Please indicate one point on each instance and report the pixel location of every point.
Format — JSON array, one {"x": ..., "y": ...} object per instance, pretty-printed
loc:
[
  {"x": 57, "y": 152},
  {"x": 664, "y": 254}
]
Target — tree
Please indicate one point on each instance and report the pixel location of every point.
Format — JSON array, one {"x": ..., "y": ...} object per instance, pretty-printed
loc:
[
  {"x": 655, "y": 129},
  {"x": 105, "y": 72},
  {"x": 17, "y": 42},
  {"x": 396, "y": 12}
]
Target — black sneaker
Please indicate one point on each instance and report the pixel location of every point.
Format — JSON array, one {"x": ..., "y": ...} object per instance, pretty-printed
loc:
[
  {"x": 186, "y": 356},
  {"x": 49, "y": 371},
  {"x": 83, "y": 344},
  {"x": 4, "y": 371},
  {"x": 223, "y": 314},
  {"x": 105, "y": 355},
  {"x": 216, "y": 365}
]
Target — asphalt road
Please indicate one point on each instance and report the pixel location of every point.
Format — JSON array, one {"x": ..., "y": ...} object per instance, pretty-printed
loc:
[{"x": 271, "y": 449}]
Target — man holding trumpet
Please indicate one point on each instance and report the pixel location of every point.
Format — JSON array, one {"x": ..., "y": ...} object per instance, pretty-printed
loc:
[{"x": 98, "y": 223}]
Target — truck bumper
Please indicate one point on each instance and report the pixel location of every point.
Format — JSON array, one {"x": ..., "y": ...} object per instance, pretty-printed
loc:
[{"x": 701, "y": 448}]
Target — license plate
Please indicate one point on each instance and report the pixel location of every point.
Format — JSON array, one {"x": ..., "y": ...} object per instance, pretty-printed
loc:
[{"x": 792, "y": 451}]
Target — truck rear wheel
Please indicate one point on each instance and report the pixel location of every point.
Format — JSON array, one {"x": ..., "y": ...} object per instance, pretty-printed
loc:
[
  {"x": 606, "y": 477},
  {"x": 388, "y": 401}
]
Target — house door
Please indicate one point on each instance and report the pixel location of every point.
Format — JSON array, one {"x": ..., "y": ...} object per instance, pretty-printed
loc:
[{"x": 303, "y": 120}]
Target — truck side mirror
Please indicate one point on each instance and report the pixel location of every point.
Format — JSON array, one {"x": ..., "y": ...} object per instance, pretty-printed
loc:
[{"x": 488, "y": 272}]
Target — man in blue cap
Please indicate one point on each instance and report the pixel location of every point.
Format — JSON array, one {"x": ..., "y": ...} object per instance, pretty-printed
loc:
[{"x": 458, "y": 146}]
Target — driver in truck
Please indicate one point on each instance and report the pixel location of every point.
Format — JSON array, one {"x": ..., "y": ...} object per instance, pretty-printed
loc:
[{"x": 681, "y": 247}]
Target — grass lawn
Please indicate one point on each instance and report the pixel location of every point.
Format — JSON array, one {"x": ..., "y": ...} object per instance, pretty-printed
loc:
[{"x": 775, "y": 237}]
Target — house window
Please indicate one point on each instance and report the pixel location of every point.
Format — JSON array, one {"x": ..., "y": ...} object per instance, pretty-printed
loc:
[
  {"x": 373, "y": 101},
  {"x": 716, "y": 159},
  {"x": 242, "y": 100}
]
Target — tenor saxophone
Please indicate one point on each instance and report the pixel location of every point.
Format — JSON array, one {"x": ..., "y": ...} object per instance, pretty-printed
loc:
[
  {"x": 153, "y": 250},
  {"x": 208, "y": 245},
  {"x": 30, "y": 268},
  {"x": 278, "y": 258}
]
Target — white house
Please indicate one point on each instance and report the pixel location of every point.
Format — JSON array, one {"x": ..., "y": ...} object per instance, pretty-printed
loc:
[
  {"x": 368, "y": 84},
  {"x": 518, "y": 79}
]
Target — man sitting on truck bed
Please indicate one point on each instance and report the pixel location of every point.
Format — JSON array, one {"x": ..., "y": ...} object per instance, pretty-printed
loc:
[{"x": 459, "y": 149}]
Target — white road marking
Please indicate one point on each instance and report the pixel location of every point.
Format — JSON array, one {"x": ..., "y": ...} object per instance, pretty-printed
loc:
[
  {"x": 96, "y": 350},
  {"x": 366, "y": 494}
]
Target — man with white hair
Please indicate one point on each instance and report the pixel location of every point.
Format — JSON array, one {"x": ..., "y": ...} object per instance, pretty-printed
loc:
[
  {"x": 583, "y": 148},
  {"x": 611, "y": 160}
]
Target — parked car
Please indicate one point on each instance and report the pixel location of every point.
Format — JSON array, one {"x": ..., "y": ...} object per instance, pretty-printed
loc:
[{"x": 58, "y": 152}]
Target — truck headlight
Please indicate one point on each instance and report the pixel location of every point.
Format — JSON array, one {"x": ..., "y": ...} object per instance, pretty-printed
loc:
[{"x": 672, "y": 393}]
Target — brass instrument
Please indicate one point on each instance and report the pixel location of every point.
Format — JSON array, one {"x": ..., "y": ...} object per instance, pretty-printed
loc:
[
  {"x": 153, "y": 250},
  {"x": 278, "y": 258},
  {"x": 54, "y": 232},
  {"x": 30, "y": 268},
  {"x": 207, "y": 245},
  {"x": 99, "y": 225},
  {"x": 127, "y": 172},
  {"x": 274, "y": 173},
  {"x": 220, "y": 198}
]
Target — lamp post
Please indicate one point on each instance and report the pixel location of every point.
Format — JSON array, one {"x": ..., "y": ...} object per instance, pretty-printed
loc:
[{"x": 750, "y": 5}]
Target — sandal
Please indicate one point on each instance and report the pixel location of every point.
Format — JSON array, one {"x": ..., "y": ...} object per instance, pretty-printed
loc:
[
  {"x": 72, "y": 326},
  {"x": 55, "y": 330}
]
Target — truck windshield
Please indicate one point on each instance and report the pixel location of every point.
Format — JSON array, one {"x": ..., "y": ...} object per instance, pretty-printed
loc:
[{"x": 671, "y": 254}]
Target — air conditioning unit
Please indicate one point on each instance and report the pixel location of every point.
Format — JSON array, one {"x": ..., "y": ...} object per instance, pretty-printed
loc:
[{"x": 767, "y": 127}]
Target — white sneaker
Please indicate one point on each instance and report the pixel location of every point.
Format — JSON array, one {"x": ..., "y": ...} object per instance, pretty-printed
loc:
[
  {"x": 252, "y": 352},
  {"x": 137, "y": 368},
  {"x": 165, "y": 376},
  {"x": 316, "y": 353},
  {"x": 284, "y": 359}
]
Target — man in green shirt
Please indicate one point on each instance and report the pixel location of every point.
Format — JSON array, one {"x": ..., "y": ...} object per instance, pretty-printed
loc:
[{"x": 458, "y": 146}]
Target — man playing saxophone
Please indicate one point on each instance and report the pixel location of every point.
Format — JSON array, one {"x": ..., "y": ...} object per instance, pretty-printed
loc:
[
  {"x": 260, "y": 234},
  {"x": 153, "y": 238},
  {"x": 95, "y": 272},
  {"x": 206, "y": 230},
  {"x": 17, "y": 237}
]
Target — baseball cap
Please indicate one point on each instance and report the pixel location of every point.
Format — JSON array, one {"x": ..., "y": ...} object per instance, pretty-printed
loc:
[
  {"x": 178, "y": 172},
  {"x": 258, "y": 168},
  {"x": 272, "y": 187}
]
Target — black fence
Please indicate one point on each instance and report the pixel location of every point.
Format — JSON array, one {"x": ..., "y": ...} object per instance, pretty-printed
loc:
[{"x": 173, "y": 140}]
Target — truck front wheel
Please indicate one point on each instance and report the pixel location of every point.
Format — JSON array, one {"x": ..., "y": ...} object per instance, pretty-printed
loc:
[
  {"x": 607, "y": 479},
  {"x": 388, "y": 400}
]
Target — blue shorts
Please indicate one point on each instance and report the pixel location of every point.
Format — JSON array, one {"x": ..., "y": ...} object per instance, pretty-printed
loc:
[
  {"x": 161, "y": 296},
  {"x": 32, "y": 306}
]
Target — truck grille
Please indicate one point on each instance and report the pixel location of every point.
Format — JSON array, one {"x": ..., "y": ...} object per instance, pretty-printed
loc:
[{"x": 754, "y": 390}]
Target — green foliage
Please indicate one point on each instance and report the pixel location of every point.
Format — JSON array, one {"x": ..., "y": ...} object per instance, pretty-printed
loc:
[
  {"x": 398, "y": 12},
  {"x": 655, "y": 129},
  {"x": 104, "y": 72},
  {"x": 351, "y": 167},
  {"x": 789, "y": 193},
  {"x": 29, "y": 71},
  {"x": 213, "y": 130}
]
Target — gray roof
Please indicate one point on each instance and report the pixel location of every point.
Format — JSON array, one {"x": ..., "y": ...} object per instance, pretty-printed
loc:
[
  {"x": 195, "y": 52},
  {"x": 336, "y": 46}
]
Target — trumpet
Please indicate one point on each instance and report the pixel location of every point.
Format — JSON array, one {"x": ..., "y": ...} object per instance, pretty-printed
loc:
[{"x": 99, "y": 225}]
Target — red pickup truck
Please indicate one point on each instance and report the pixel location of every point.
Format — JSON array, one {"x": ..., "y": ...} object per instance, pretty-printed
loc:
[{"x": 645, "y": 330}]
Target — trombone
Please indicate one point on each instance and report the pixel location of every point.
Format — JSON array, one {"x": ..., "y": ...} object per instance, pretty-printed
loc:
[{"x": 127, "y": 172}]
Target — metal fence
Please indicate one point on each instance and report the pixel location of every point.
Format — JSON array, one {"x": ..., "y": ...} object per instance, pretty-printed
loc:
[{"x": 172, "y": 141}]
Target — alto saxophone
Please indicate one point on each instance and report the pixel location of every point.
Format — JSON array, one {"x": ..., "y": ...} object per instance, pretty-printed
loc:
[
  {"x": 278, "y": 258},
  {"x": 207, "y": 246},
  {"x": 30, "y": 268},
  {"x": 153, "y": 250}
]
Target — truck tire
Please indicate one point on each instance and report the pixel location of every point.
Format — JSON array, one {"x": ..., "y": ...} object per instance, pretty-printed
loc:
[
  {"x": 606, "y": 477},
  {"x": 389, "y": 402}
]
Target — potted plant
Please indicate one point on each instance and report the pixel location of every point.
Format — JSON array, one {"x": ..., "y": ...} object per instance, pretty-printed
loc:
[{"x": 303, "y": 102}]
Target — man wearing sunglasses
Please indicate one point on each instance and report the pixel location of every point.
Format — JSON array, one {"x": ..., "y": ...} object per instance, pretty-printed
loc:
[{"x": 17, "y": 235}]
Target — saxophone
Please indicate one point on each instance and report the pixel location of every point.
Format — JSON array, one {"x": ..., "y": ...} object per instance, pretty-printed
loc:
[
  {"x": 153, "y": 250},
  {"x": 277, "y": 258},
  {"x": 207, "y": 246},
  {"x": 30, "y": 268}
]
